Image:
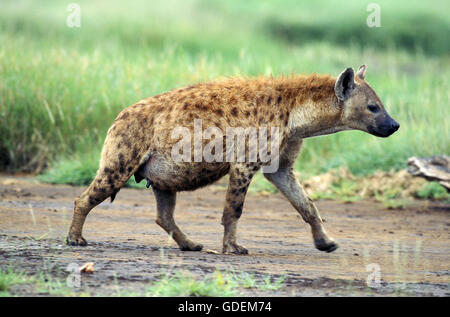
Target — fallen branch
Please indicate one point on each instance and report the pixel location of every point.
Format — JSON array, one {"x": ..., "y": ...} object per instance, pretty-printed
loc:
[{"x": 435, "y": 168}]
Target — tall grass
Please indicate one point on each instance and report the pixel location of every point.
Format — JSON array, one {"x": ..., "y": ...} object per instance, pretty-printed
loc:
[{"x": 61, "y": 88}]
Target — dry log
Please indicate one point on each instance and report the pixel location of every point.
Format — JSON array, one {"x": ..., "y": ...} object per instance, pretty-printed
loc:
[{"x": 435, "y": 168}]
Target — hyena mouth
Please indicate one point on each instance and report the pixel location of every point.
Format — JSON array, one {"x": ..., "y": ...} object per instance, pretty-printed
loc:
[{"x": 384, "y": 132}]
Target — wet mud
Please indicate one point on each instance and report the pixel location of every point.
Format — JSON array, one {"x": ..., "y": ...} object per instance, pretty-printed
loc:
[{"x": 408, "y": 249}]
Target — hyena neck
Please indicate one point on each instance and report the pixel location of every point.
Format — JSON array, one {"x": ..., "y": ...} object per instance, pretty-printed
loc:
[{"x": 313, "y": 107}]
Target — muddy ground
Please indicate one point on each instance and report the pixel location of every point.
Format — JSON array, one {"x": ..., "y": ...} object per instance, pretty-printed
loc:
[{"x": 410, "y": 247}]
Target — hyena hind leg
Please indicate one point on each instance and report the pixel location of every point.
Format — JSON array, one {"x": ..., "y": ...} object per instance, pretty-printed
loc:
[
  {"x": 239, "y": 181},
  {"x": 106, "y": 184},
  {"x": 165, "y": 204}
]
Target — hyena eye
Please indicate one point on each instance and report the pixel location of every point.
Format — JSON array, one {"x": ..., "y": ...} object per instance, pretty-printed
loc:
[{"x": 373, "y": 108}]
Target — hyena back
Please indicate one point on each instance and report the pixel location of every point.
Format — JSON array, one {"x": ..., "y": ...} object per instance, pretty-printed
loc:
[{"x": 140, "y": 143}]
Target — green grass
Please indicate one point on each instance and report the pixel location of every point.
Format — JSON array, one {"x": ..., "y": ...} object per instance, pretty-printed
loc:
[
  {"x": 434, "y": 190},
  {"x": 343, "y": 190},
  {"x": 218, "y": 284},
  {"x": 392, "y": 200},
  {"x": 40, "y": 283},
  {"x": 9, "y": 278},
  {"x": 61, "y": 88}
]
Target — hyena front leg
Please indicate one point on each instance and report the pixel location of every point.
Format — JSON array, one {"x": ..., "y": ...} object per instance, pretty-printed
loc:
[
  {"x": 240, "y": 178},
  {"x": 286, "y": 182},
  {"x": 165, "y": 204}
]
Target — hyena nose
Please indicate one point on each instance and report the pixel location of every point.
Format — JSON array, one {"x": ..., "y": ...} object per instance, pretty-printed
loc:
[{"x": 394, "y": 126}]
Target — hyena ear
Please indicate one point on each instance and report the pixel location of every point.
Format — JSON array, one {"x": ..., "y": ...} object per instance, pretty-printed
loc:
[
  {"x": 344, "y": 84},
  {"x": 361, "y": 73}
]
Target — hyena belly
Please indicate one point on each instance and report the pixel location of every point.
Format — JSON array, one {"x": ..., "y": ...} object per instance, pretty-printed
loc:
[{"x": 162, "y": 173}]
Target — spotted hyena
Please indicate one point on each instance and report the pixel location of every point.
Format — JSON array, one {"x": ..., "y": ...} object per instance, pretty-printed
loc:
[{"x": 140, "y": 143}]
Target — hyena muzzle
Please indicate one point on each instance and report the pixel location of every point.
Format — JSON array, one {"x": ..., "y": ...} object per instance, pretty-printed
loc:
[{"x": 140, "y": 143}]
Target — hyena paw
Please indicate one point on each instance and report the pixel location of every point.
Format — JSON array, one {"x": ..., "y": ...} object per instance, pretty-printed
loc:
[
  {"x": 327, "y": 245},
  {"x": 191, "y": 246},
  {"x": 76, "y": 240},
  {"x": 232, "y": 247}
]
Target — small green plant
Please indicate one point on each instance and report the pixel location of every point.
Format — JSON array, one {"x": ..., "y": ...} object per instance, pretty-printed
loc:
[
  {"x": 391, "y": 199},
  {"x": 394, "y": 203},
  {"x": 9, "y": 278},
  {"x": 342, "y": 190},
  {"x": 217, "y": 285},
  {"x": 184, "y": 284},
  {"x": 249, "y": 280},
  {"x": 433, "y": 190},
  {"x": 42, "y": 282},
  {"x": 47, "y": 284},
  {"x": 274, "y": 285}
]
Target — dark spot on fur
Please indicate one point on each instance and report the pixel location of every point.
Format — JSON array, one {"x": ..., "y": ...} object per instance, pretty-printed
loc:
[
  {"x": 110, "y": 180},
  {"x": 269, "y": 100},
  {"x": 199, "y": 106},
  {"x": 219, "y": 112},
  {"x": 92, "y": 200},
  {"x": 135, "y": 153},
  {"x": 279, "y": 99},
  {"x": 238, "y": 210},
  {"x": 127, "y": 142},
  {"x": 121, "y": 164},
  {"x": 129, "y": 169},
  {"x": 234, "y": 111},
  {"x": 124, "y": 116}
]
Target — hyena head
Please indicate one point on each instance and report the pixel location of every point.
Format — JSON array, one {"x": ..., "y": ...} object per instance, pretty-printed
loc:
[{"x": 362, "y": 109}]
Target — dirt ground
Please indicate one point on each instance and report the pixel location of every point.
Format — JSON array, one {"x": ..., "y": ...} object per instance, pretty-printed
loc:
[{"x": 410, "y": 247}]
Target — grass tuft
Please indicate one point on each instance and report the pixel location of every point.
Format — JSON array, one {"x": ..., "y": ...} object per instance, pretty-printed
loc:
[{"x": 434, "y": 190}]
